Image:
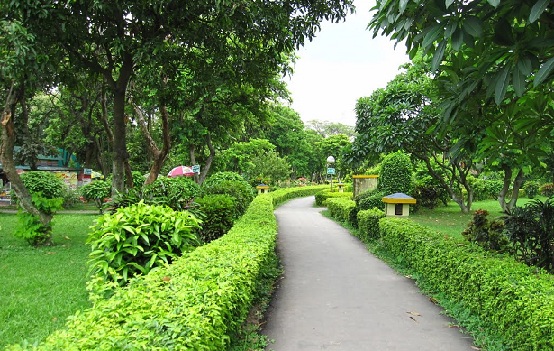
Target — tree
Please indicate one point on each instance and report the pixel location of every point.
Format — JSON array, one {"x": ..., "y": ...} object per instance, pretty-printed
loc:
[
  {"x": 115, "y": 38},
  {"x": 326, "y": 128},
  {"x": 401, "y": 117},
  {"x": 501, "y": 45}
]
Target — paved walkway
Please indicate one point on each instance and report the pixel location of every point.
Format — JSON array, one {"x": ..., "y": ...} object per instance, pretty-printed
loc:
[{"x": 335, "y": 295}]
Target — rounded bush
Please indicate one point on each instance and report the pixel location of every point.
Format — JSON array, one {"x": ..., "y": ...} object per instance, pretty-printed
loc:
[
  {"x": 219, "y": 212},
  {"x": 46, "y": 183},
  {"x": 395, "y": 175},
  {"x": 531, "y": 189},
  {"x": 138, "y": 238},
  {"x": 177, "y": 193},
  {"x": 96, "y": 191},
  {"x": 229, "y": 184},
  {"x": 547, "y": 189}
]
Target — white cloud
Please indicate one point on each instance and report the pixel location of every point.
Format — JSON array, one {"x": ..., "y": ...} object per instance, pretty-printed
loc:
[{"x": 342, "y": 64}]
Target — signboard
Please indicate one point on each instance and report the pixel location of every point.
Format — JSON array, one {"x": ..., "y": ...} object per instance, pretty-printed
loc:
[
  {"x": 330, "y": 171},
  {"x": 87, "y": 171},
  {"x": 196, "y": 169}
]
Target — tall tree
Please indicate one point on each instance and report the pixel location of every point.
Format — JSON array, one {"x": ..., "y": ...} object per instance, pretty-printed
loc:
[{"x": 114, "y": 38}]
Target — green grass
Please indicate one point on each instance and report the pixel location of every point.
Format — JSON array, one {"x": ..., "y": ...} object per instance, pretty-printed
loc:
[
  {"x": 451, "y": 221},
  {"x": 41, "y": 287}
]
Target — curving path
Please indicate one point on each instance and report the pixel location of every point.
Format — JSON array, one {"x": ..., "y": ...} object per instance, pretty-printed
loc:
[{"x": 335, "y": 295}]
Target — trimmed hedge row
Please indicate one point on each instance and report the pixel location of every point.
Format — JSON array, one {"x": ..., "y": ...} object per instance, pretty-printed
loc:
[
  {"x": 340, "y": 208},
  {"x": 321, "y": 196},
  {"x": 282, "y": 195},
  {"x": 514, "y": 302},
  {"x": 368, "y": 224},
  {"x": 197, "y": 303}
]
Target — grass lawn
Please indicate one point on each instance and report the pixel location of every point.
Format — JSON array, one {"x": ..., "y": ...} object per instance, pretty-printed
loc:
[
  {"x": 41, "y": 287},
  {"x": 450, "y": 220}
]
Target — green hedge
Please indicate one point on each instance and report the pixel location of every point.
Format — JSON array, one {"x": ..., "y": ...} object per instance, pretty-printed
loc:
[
  {"x": 513, "y": 302},
  {"x": 197, "y": 303},
  {"x": 323, "y": 195},
  {"x": 340, "y": 208},
  {"x": 368, "y": 223}
]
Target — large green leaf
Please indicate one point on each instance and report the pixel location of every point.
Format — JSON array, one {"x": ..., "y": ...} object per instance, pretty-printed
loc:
[
  {"x": 502, "y": 80},
  {"x": 544, "y": 72},
  {"x": 537, "y": 10},
  {"x": 439, "y": 54},
  {"x": 473, "y": 26}
]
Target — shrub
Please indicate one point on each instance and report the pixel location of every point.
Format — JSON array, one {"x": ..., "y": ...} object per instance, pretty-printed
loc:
[
  {"x": 340, "y": 208},
  {"x": 46, "y": 183},
  {"x": 396, "y": 174},
  {"x": 547, "y": 189},
  {"x": 484, "y": 189},
  {"x": 368, "y": 224},
  {"x": 232, "y": 184},
  {"x": 370, "y": 199},
  {"x": 218, "y": 212},
  {"x": 487, "y": 234},
  {"x": 429, "y": 193},
  {"x": 325, "y": 194},
  {"x": 70, "y": 197},
  {"x": 531, "y": 230},
  {"x": 31, "y": 228},
  {"x": 510, "y": 301},
  {"x": 531, "y": 188},
  {"x": 97, "y": 191},
  {"x": 177, "y": 193},
  {"x": 138, "y": 238}
]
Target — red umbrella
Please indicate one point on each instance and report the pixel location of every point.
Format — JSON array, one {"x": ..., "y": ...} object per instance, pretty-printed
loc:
[{"x": 181, "y": 171}]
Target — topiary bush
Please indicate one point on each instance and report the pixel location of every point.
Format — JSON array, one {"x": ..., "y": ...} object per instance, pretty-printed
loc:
[
  {"x": 395, "y": 175},
  {"x": 218, "y": 211},
  {"x": 325, "y": 194},
  {"x": 137, "y": 238},
  {"x": 97, "y": 191},
  {"x": 31, "y": 228}
]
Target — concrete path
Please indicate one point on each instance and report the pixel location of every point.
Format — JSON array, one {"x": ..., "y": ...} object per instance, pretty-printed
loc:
[{"x": 335, "y": 295}]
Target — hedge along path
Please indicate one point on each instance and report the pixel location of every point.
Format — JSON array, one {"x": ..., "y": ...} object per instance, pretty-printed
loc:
[
  {"x": 514, "y": 303},
  {"x": 196, "y": 303}
]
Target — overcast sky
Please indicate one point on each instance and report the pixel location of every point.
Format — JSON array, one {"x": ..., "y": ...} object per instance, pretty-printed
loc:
[{"x": 342, "y": 64}]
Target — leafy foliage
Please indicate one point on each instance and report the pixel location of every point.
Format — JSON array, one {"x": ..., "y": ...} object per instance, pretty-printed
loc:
[
  {"x": 31, "y": 228},
  {"x": 547, "y": 189},
  {"x": 219, "y": 213},
  {"x": 488, "y": 234},
  {"x": 510, "y": 301},
  {"x": 368, "y": 224},
  {"x": 231, "y": 184},
  {"x": 531, "y": 230},
  {"x": 97, "y": 191},
  {"x": 137, "y": 238},
  {"x": 428, "y": 192},
  {"x": 531, "y": 188},
  {"x": 176, "y": 193},
  {"x": 323, "y": 195},
  {"x": 396, "y": 174},
  {"x": 340, "y": 208},
  {"x": 47, "y": 183}
]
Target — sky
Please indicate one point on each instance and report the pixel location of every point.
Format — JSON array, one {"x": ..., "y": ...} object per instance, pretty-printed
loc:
[{"x": 341, "y": 64}]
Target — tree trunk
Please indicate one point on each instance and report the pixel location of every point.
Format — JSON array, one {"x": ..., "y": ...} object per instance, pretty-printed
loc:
[
  {"x": 8, "y": 163},
  {"x": 159, "y": 156},
  {"x": 505, "y": 188}
]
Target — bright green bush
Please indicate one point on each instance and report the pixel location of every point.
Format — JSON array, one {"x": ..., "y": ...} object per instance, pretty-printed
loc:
[
  {"x": 395, "y": 175},
  {"x": 232, "y": 184},
  {"x": 97, "y": 191},
  {"x": 219, "y": 212},
  {"x": 323, "y": 195},
  {"x": 340, "y": 208},
  {"x": 282, "y": 195},
  {"x": 484, "y": 189},
  {"x": 487, "y": 234},
  {"x": 31, "y": 228},
  {"x": 46, "y": 183},
  {"x": 511, "y": 301},
  {"x": 177, "y": 193},
  {"x": 138, "y": 238},
  {"x": 368, "y": 223}
]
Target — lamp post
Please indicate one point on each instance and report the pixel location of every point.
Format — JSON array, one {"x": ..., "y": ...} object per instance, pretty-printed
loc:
[{"x": 330, "y": 169}]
